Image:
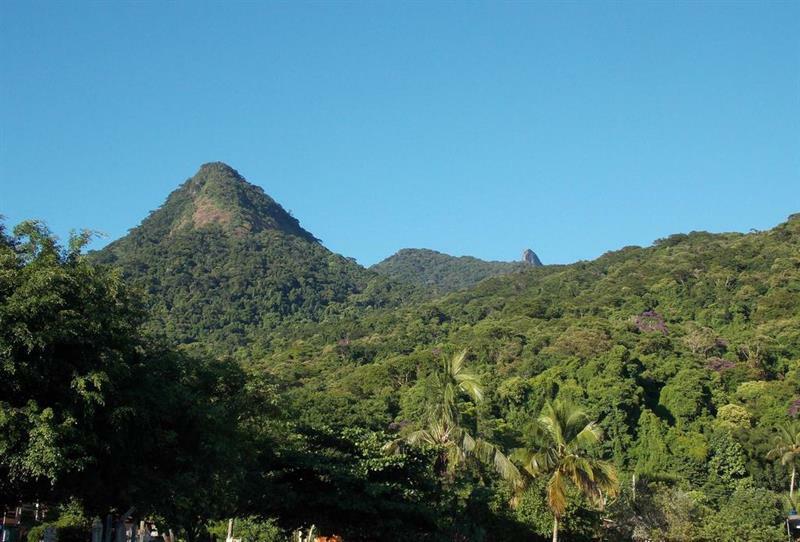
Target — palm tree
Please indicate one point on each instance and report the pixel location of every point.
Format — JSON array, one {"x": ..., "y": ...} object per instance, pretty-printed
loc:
[
  {"x": 441, "y": 426},
  {"x": 787, "y": 448},
  {"x": 562, "y": 437}
]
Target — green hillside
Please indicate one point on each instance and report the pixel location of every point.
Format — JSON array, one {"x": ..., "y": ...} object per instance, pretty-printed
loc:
[
  {"x": 732, "y": 297},
  {"x": 223, "y": 262},
  {"x": 439, "y": 273},
  {"x": 687, "y": 352},
  {"x": 651, "y": 394}
]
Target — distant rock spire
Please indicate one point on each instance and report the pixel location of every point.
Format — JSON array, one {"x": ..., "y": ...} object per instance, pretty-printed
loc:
[{"x": 530, "y": 257}]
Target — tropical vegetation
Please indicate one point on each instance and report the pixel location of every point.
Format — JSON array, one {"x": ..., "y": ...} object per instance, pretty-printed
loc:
[{"x": 219, "y": 362}]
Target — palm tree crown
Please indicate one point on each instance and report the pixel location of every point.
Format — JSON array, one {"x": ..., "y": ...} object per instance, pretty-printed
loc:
[
  {"x": 563, "y": 436},
  {"x": 787, "y": 449},
  {"x": 442, "y": 424}
]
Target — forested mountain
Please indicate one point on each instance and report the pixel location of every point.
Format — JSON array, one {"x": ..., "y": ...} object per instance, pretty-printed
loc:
[
  {"x": 439, "y": 273},
  {"x": 715, "y": 304},
  {"x": 687, "y": 352},
  {"x": 659, "y": 386},
  {"x": 222, "y": 261}
]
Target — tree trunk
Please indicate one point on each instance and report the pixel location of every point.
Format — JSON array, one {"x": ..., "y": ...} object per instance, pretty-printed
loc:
[
  {"x": 791, "y": 484},
  {"x": 555, "y": 529}
]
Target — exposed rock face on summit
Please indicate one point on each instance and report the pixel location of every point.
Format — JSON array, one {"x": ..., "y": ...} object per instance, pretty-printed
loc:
[
  {"x": 221, "y": 260},
  {"x": 530, "y": 257},
  {"x": 218, "y": 195}
]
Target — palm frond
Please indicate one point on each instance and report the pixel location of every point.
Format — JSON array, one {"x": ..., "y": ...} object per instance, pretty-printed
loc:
[
  {"x": 563, "y": 433},
  {"x": 550, "y": 425},
  {"x": 468, "y": 443},
  {"x": 455, "y": 456},
  {"x": 423, "y": 436},
  {"x": 447, "y": 410},
  {"x": 467, "y": 381},
  {"x": 442, "y": 422},
  {"x": 557, "y": 494},
  {"x": 776, "y": 452},
  {"x": 590, "y": 435},
  {"x": 575, "y": 420},
  {"x": 605, "y": 476},
  {"x": 786, "y": 443},
  {"x": 506, "y": 468},
  {"x": 584, "y": 481},
  {"x": 581, "y": 472},
  {"x": 528, "y": 460}
]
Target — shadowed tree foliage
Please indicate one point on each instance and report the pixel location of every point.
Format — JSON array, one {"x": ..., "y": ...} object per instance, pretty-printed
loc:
[
  {"x": 68, "y": 345},
  {"x": 91, "y": 409}
]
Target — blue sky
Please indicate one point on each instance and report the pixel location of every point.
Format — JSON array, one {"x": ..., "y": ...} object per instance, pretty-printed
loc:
[{"x": 473, "y": 128}]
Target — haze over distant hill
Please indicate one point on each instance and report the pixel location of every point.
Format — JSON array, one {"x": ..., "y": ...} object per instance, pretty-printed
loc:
[{"x": 441, "y": 273}]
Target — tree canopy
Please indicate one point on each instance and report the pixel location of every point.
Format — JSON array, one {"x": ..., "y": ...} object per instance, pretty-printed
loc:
[{"x": 153, "y": 378}]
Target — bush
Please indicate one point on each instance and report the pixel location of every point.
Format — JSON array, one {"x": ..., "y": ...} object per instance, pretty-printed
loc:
[
  {"x": 35, "y": 534},
  {"x": 249, "y": 529},
  {"x": 66, "y": 533},
  {"x": 71, "y": 525},
  {"x": 751, "y": 513}
]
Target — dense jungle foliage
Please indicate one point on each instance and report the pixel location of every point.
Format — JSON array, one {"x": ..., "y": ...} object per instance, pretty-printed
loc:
[
  {"x": 686, "y": 352},
  {"x": 439, "y": 273},
  {"x": 651, "y": 394}
]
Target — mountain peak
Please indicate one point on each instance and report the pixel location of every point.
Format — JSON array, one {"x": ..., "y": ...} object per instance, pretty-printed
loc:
[
  {"x": 222, "y": 259},
  {"x": 530, "y": 257},
  {"x": 217, "y": 173},
  {"x": 217, "y": 166},
  {"x": 218, "y": 196}
]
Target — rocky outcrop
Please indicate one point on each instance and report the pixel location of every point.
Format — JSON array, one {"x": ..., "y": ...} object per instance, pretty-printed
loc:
[{"x": 530, "y": 257}]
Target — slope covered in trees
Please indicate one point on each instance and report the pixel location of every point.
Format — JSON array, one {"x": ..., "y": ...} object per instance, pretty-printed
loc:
[
  {"x": 97, "y": 415},
  {"x": 94, "y": 411},
  {"x": 686, "y": 352},
  {"x": 673, "y": 370},
  {"x": 439, "y": 273},
  {"x": 223, "y": 262}
]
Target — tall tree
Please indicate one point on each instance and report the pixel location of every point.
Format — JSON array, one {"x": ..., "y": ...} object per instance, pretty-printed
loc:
[
  {"x": 67, "y": 343},
  {"x": 562, "y": 439},
  {"x": 91, "y": 408},
  {"x": 442, "y": 424},
  {"x": 787, "y": 448}
]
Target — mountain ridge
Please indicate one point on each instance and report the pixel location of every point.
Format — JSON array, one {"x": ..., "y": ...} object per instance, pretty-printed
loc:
[{"x": 443, "y": 273}]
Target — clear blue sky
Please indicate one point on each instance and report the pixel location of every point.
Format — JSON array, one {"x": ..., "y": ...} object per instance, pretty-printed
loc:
[{"x": 470, "y": 128}]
